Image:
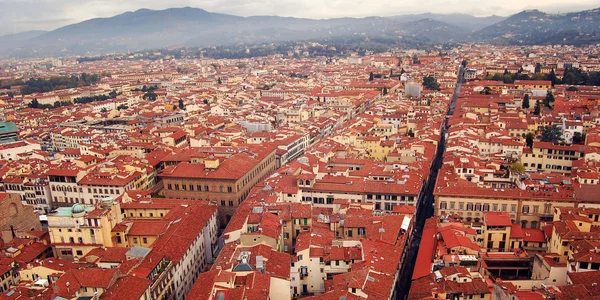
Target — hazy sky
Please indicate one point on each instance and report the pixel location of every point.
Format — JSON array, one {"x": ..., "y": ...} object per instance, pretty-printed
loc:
[{"x": 22, "y": 15}]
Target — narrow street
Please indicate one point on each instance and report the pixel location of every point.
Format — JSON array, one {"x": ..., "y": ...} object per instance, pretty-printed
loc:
[{"x": 425, "y": 206}]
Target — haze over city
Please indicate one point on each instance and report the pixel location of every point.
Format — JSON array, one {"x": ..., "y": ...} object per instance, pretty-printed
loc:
[{"x": 24, "y": 15}]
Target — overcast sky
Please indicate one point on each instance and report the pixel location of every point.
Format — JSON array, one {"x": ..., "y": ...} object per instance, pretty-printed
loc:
[{"x": 22, "y": 15}]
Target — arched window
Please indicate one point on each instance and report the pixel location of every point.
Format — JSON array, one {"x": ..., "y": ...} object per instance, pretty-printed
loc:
[
  {"x": 307, "y": 182},
  {"x": 534, "y": 224},
  {"x": 524, "y": 223}
]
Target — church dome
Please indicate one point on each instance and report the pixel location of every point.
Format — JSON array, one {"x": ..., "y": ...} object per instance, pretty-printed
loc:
[{"x": 77, "y": 208}]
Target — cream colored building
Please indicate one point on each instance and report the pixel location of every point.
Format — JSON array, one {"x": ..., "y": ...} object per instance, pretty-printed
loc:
[{"x": 76, "y": 230}]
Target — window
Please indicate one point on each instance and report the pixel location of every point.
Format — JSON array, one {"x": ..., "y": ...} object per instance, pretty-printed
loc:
[
  {"x": 135, "y": 240},
  {"x": 145, "y": 240},
  {"x": 229, "y": 189},
  {"x": 230, "y": 203},
  {"x": 525, "y": 209},
  {"x": 79, "y": 252},
  {"x": 349, "y": 233}
]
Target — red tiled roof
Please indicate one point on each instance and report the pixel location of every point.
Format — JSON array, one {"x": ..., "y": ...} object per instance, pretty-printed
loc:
[{"x": 496, "y": 219}]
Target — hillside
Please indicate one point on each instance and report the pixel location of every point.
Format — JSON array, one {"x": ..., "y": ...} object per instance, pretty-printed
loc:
[
  {"x": 460, "y": 20},
  {"x": 149, "y": 29},
  {"x": 536, "y": 27},
  {"x": 152, "y": 29}
]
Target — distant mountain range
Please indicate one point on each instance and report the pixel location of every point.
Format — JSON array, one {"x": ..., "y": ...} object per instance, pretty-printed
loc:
[
  {"x": 152, "y": 29},
  {"x": 536, "y": 27}
]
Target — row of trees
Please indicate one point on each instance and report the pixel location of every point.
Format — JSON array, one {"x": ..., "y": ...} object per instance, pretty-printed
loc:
[
  {"x": 149, "y": 93},
  {"x": 82, "y": 100},
  {"x": 40, "y": 85},
  {"x": 146, "y": 88},
  {"x": 548, "y": 102},
  {"x": 552, "y": 134},
  {"x": 571, "y": 76}
]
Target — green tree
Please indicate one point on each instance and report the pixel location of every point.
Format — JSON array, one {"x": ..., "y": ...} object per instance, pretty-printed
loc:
[
  {"x": 415, "y": 59},
  {"x": 517, "y": 168},
  {"x": 113, "y": 94},
  {"x": 431, "y": 83},
  {"x": 486, "y": 90},
  {"x": 181, "y": 105},
  {"x": 464, "y": 63},
  {"x": 104, "y": 110},
  {"x": 122, "y": 106},
  {"x": 385, "y": 91},
  {"x": 578, "y": 138},
  {"x": 219, "y": 81},
  {"x": 371, "y": 76},
  {"x": 150, "y": 96},
  {"x": 572, "y": 89},
  {"x": 552, "y": 77},
  {"x": 569, "y": 78},
  {"x": 529, "y": 138},
  {"x": 551, "y": 134},
  {"x": 411, "y": 133},
  {"x": 526, "y": 101},
  {"x": 537, "y": 109},
  {"x": 34, "y": 103},
  {"x": 205, "y": 101},
  {"x": 549, "y": 100},
  {"x": 57, "y": 104}
]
